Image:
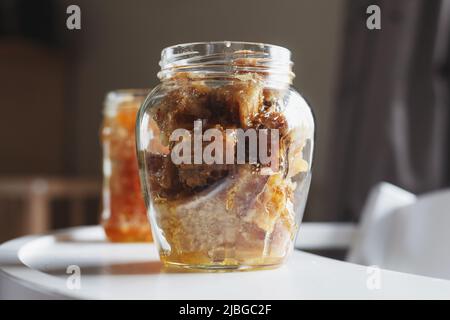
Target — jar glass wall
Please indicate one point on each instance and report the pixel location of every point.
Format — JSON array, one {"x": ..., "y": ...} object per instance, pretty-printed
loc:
[{"x": 225, "y": 152}]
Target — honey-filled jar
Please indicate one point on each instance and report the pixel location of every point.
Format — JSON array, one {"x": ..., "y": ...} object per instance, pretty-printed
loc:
[
  {"x": 124, "y": 215},
  {"x": 225, "y": 147}
]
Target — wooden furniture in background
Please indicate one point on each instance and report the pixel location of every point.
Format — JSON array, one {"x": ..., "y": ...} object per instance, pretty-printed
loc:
[{"x": 25, "y": 203}]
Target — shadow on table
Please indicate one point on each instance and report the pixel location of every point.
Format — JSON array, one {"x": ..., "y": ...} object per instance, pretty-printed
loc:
[{"x": 134, "y": 268}]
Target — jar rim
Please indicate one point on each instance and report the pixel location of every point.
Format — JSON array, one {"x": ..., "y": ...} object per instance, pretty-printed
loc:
[
  {"x": 130, "y": 92},
  {"x": 115, "y": 98},
  {"x": 226, "y": 57}
]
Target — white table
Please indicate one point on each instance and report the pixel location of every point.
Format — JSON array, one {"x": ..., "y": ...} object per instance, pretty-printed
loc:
[{"x": 35, "y": 267}]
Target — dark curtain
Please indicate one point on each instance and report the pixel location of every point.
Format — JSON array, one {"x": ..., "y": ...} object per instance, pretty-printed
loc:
[{"x": 391, "y": 119}]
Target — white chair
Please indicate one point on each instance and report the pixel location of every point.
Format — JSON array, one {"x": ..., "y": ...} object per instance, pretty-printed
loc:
[{"x": 397, "y": 231}]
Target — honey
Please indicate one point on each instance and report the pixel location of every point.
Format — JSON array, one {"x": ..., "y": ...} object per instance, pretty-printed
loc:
[
  {"x": 124, "y": 215},
  {"x": 212, "y": 214}
]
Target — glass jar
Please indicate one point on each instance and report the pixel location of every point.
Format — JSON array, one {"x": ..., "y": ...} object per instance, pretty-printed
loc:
[
  {"x": 225, "y": 150},
  {"x": 124, "y": 216}
]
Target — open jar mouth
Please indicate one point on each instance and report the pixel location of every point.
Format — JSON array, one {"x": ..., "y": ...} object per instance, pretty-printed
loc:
[
  {"x": 218, "y": 59},
  {"x": 117, "y": 97}
]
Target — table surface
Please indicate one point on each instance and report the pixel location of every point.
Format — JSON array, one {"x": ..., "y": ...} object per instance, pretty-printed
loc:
[{"x": 36, "y": 267}]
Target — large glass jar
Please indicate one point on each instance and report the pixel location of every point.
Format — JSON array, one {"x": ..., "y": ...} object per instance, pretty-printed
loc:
[
  {"x": 124, "y": 216},
  {"x": 225, "y": 151}
]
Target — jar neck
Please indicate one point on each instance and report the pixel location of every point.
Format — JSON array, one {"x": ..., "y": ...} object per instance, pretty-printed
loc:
[
  {"x": 123, "y": 98},
  {"x": 227, "y": 60}
]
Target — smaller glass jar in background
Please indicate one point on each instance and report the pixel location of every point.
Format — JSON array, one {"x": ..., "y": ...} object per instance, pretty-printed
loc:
[{"x": 124, "y": 215}]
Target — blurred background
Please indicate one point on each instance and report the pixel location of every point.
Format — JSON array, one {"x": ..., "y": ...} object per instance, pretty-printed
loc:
[{"x": 380, "y": 97}]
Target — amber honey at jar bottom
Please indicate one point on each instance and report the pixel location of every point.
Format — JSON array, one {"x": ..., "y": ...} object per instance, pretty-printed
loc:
[
  {"x": 193, "y": 261},
  {"x": 246, "y": 249},
  {"x": 213, "y": 230},
  {"x": 225, "y": 216}
]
